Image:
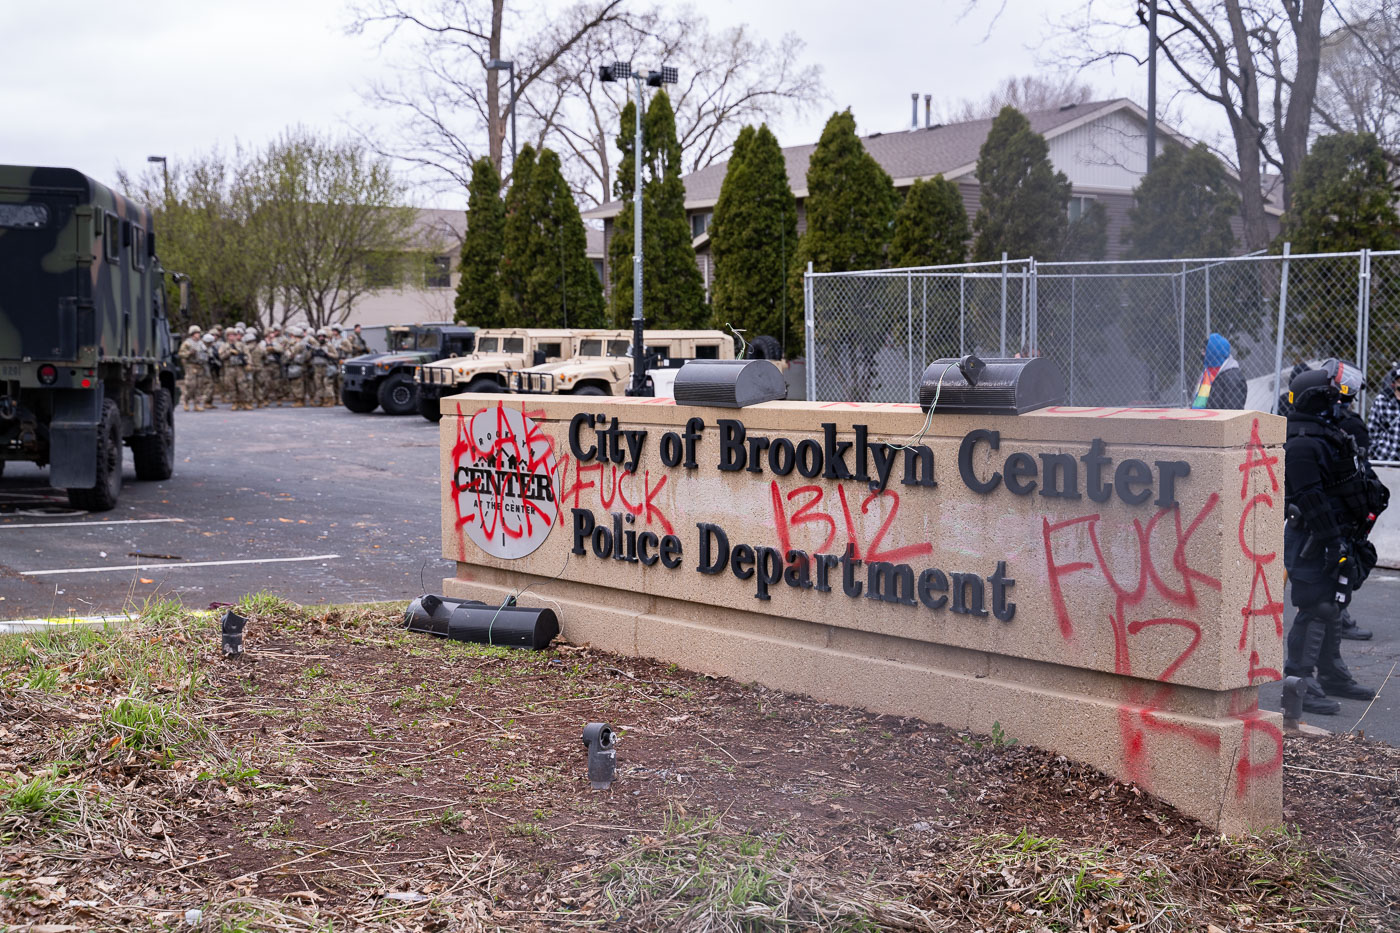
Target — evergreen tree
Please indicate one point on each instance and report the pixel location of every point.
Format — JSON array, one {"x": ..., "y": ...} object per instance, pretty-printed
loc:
[
  {"x": 930, "y": 228},
  {"x": 546, "y": 278},
  {"x": 479, "y": 291},
  {"x": 1023, "y": 198},
  {"x": 517, "y": 241},
  {"x": 673, "y": 292},
  {"x": 1086, "y": 237},
  {"x": 851, "y": 205},
  {"x": 1182, "y": 208},
  {"x": 1344, "y": 199},
  {"x": 753, "y": 239}
]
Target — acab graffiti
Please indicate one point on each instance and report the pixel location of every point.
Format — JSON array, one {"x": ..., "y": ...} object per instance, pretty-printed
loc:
[{"x": 505, "y": 482}]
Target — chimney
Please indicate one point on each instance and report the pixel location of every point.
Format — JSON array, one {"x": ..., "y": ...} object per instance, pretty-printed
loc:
[
  {"x": 928, "y": 99},
  {"x": 914, "y": 111}
]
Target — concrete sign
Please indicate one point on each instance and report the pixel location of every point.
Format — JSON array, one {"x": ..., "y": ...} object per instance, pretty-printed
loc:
[{"x": 1104, "y": 582}]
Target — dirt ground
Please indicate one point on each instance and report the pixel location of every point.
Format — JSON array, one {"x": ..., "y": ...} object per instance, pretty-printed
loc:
[{"x": 347, "y": 774}]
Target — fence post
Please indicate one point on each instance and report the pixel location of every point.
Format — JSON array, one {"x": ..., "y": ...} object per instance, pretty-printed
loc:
[
  {"x": 1363, "y": 323},
  {"x": 1282, "y": 310},
  {"x": 1003, "y": 305},
  {"x": 909, "y": 327},
  {"x": 1181, "y": 336},
  {"x": 962, "y": 314},
  {"x": 923, "y": 316},
  {"x": 810, "y": 327},
  {"x": 1073, "y": 289},
  {"x": 1208, "y": 330},
  {"x": 1035, "y": 308}
]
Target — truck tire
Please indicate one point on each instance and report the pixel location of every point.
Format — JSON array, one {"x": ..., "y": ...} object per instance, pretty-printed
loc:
[
  {"x": 155, "y": 453},
  {"x": 397, "y": 396},
  {"x": 103, "y": 496},
  {"x": 589, "y": 390},
  {"x": 765, "y": 348},
  {"x": 484, "y": 384},
  {"x": 430, "y": 408},
  {"x": 361, "y": 403}
]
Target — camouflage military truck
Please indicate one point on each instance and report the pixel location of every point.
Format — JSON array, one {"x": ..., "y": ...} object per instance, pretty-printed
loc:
[
  {"x": 87, "y": 362},
  {"x": 385, "y": 380},
  {"x": 496, "y": 351},
  {"x": 602, "y": 362}
]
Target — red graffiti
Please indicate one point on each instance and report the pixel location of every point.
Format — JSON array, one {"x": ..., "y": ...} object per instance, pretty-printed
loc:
[
  {"x": 809, "y": 512},
  {"x": 613, "y": 490},
  {"x": 1256, "y": 457}
]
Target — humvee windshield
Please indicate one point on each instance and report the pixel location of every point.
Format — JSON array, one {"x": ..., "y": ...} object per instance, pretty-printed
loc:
[
  {"x": 703, "y": 352},
  {"x": 428, "y": 340},
  {"x": 513, "y": 345},
  {"x": 594, "y": 347},
  {"x": 487, "y": 345},
  {"x": 400, "y": 339},
  {"x": 551, "y": 351}
]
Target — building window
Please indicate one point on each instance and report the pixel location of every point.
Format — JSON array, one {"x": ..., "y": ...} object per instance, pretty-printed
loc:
[
  {"x": 1078, "y": 204},
  {"x": 598, "y": 268},
  {"x": 439, "y": 272},
  {"x": 111, "y": 237},
  {"x": 700, "y": 222}
]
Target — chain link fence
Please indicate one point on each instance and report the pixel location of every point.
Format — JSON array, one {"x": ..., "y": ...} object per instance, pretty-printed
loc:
[{"x": 1122, "y": 333}]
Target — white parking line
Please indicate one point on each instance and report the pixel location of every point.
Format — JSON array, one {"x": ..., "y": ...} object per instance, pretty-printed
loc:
[
  {"x": 124, "y": 521},
  {"x": 171, "y": 566}
]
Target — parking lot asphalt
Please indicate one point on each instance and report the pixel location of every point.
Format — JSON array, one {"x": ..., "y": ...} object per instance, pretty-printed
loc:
[{"x": 318, "y": 505}]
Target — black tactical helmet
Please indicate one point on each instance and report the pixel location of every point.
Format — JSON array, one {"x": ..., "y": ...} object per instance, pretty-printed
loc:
[{"x": 1312, "y": 392}]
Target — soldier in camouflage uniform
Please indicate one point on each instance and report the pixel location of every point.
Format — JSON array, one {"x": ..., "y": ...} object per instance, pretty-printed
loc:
[
  {"x": 324, "y": 365},
  {"x": 192, "y": 361},
  {"x": 234, "y": 357},
  {"x": 303, "y": 351},
  {"x": 208, "y": 380},
  {"x": 273, "y": 381},
  {"x": 335, "y": 346},
  {"x": 252, "y": 346},
  {"x": 357, "y": 342}
]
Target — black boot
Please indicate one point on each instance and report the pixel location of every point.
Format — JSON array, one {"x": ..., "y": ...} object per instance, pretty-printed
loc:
[
  {"x": 1351, "y": 631},
  {"x": 1335, "y": 679}
]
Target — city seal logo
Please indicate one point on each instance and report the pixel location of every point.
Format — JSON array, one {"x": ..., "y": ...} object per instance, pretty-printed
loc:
[{"x": 504, "y": 477}]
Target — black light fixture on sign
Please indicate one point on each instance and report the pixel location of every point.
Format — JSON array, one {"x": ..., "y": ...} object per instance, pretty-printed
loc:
[
  {"x": 729, "y": 383},
  {"x": 971, "y": 386}
]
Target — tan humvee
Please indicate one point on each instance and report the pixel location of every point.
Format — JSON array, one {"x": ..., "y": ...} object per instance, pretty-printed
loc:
[
  {"x": 602, "y": 361},
  {"x": 498, "y": 351}
]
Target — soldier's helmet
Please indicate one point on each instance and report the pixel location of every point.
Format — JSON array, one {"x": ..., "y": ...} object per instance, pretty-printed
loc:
[
  {"x": 194, "y": 329},
  {"x": 250, "y": 336},
  {"x": 239, "y": 326},
  {"x": 323, "y": 332},
  {"x": 294, "y": 330},
  {"x": 208, "y": 338},
  {"x": 335, "y": 328},
  {"x": 1312, "y": 392}
]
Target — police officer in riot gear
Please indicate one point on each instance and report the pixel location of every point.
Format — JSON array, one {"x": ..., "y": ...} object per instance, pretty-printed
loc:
[{"x": 1330, "y": 503}]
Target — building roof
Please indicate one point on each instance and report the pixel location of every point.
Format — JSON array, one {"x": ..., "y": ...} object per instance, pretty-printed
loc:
[{"x": 950, "y": 150}]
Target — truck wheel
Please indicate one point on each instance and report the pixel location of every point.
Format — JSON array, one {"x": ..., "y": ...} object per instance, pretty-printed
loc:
[
  {"x": 361, "y": 403},
  {"x": 397, "y": 395},
  {"x": 589, "y": 390},
  {"x": 765, "y": 348},
  {"x": 430, "y": 408},
  {"x": 155, "y": 453},
  {"x": 484, "y": 384},
  {"x": 103, "y": 496}
]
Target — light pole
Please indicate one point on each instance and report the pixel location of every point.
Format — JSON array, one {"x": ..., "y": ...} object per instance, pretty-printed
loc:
[
  {"x": 165, "y": 175},
  {"x": 621, "y": 71},
  {"x": 501, "y": 64}
]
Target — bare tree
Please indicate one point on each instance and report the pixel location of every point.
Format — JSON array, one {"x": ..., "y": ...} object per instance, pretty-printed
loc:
[
  {"x": 1027, "y": 93},
  {"x": 446, "y": 95},
  {"x": 1359, "y": 85},
  {"x": 728, "y": 78},
  {"x": 1256, "y": 60}
]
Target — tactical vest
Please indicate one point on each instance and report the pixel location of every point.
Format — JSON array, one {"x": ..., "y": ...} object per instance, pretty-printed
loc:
[{"x": 1357, "y": 495}]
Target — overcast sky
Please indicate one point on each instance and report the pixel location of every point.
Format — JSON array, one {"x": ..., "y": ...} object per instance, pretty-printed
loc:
[{"x": 93, "y": 84}]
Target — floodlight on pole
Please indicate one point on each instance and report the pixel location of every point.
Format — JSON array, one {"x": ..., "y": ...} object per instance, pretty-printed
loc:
[
  {"x": 621, "y": 71},
  {"x": 501, "y": 64},
  {"x": 164, "y": 173}
]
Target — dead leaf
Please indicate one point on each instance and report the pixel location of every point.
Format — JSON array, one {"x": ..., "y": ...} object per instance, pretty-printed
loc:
[{"x": 146, "y": 580}]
